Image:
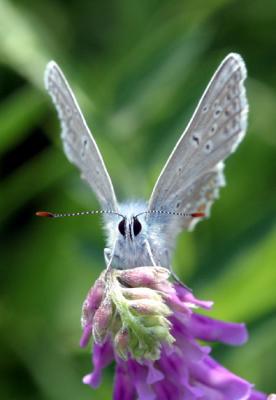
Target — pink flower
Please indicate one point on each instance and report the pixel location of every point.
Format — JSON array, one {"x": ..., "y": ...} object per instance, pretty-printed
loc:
[{"x": 182, "y": 369}]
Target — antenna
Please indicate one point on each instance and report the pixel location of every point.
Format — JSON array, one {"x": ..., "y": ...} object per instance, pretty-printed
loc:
[
  {"x": 193, "y": 215},
  {"x": 48, "y": 214}
]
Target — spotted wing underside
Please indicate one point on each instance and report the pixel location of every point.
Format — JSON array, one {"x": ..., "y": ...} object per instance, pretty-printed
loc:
[
  {"x": 78, "y": 142},
  {"x": 193, "y": 174}
]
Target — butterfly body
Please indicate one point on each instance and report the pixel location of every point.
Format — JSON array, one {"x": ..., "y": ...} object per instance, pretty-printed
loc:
[
  {"x": 140, "y": 233},
  {"x": 133, "y": 240}
]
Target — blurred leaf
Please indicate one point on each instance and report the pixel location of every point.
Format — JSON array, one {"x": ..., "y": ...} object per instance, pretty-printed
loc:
[
  {"x": 18, "y": 114},
  {"x": 245, "y": 289},
  {"x": 264, "y": 100},
  {"x": 253, "y": 360},
  {"x": 32, "y": 179},
  {"x": 24, "y": 46}
]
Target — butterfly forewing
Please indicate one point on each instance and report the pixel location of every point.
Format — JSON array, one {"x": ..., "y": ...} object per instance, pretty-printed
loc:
[
  {"x": 192, "y": 175},
  {"x": 78, "y": 142}
]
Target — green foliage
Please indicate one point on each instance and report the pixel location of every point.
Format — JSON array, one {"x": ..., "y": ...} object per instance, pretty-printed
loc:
[{"x": 138, "y": 69}]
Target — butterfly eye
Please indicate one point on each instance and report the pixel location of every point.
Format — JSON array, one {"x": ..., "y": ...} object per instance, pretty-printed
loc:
[
  {"x": 137, "y": 227},
  {"x": 122, "y": 227}
]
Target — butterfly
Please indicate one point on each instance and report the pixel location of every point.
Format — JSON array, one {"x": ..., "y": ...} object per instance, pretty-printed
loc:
[{"x": 144, "y": 233}]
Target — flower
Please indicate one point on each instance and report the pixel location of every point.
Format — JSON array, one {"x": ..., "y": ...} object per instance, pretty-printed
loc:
[
  {"x": 130, "y": 307},
  {"x": 150, "y": 328}
]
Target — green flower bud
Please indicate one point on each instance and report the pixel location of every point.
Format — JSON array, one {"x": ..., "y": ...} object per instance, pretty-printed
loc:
[
  {"x": 147, "y": 306},
  {"x": 140, "y": 293},
  {"x": 160, "y": 333},
  {"x": 154, "y": 320}
]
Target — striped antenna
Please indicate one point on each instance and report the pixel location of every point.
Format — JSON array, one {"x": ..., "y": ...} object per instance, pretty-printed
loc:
[
  {"x": 193, "y": 215},
  {"x": 48, "y": 214}
]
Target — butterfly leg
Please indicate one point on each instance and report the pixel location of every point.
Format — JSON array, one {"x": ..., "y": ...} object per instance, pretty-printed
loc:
[
  {"x": 153, "y": 261},
  {"x": 174, "y": 275},
  {"x": 107, "y": 255},
  {"x": 178, "y": 280}
]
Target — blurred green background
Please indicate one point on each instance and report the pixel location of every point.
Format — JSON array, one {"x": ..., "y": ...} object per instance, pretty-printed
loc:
[{"x": 138, "y": 68}]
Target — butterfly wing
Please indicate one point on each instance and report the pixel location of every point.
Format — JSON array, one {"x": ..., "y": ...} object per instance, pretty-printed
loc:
[
  {"x": 190, "y": 179},
  {"x": 78, "y": 142}
]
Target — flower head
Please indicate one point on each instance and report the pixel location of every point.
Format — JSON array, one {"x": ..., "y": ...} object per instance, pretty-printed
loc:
[
  {"x": 149, "y": 327},
  {"x": 127, "y": 308}
]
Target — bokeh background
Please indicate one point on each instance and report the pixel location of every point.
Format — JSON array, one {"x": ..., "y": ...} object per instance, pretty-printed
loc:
[{"x": 138, "y": 68}]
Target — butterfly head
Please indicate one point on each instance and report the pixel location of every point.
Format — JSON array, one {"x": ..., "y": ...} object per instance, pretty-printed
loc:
[{"x": 130, "y": 227}]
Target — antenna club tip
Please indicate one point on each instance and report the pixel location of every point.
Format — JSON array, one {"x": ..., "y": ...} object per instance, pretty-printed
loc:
[
  {"x": 44, "y": 214},
  {"x": 198, "y": 215}
]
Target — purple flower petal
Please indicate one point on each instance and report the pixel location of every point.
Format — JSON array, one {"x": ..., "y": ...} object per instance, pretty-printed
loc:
[
  {"x": 123, "y": 387},
  {"x": 86, "y": 335},
  {"x": 166, "y": 390},
  {"x": 102, "y": 357},
  {"x": 154, "y": 374},
  {"x": 186, "y": 343},
  {"x": 139, "y": 377},
  {"x": 172, "y": 365},
  {"x": 209, "y": 329},
  {"x": 209, "y": 393},
  {"x": 185, "y": 295},
  {"x": 258, "y": 396},
  {"x": 176, "y": 304},
  {"x": 214, "y": 376},
  {"x": 185, "y": 370}
]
